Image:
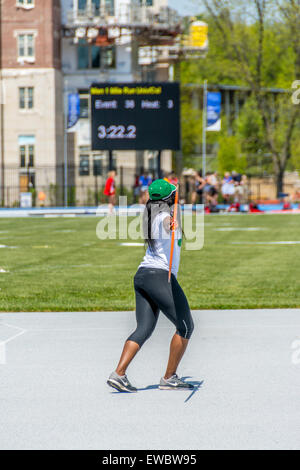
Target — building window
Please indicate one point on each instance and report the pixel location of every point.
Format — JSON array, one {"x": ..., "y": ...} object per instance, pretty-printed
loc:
[
  {"x": 22, "y": 151},
  {"x": 110, "y": 57},
  {"x": 93, "y": 6},
  {"x": 25, "y": 3},
  {"x": 90, "y": 56},
  {"x": 31, "y": 156},
  {"x": 88, "y": 6},
  {"x": 96, "y": 6},
  {"x": 84, "y": 106},
  {"x": 97, "y": 165},
  {"x": 81, "y": 5},
  {"x": 110, "y": 7},
  {"x": 146, "y": 3},
  {"x": 91, "y": 163},
  {"x": 95, "y": 57},
  {"x": 26, "y": 98},
  {"x": 84, "y": 165},
  {"x": 26, "y": 46},
  {"x": 26, "y": 153}
]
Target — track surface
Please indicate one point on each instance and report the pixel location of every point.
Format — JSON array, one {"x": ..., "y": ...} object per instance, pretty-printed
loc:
[{"x": 54, "y": 395}]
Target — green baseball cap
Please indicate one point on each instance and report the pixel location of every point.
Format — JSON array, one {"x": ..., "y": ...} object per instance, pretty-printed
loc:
[{"x": 160, "y": 190}]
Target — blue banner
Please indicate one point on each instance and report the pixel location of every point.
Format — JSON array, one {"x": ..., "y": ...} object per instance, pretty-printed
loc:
[
  {"x": 214, "y": 111},
  {"x": 73, "y": 109}
]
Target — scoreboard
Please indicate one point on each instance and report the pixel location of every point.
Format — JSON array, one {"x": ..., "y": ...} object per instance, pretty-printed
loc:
[{"x": 135, "y": 116}]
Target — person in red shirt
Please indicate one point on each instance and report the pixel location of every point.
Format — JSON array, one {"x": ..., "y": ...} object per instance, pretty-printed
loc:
[
  {"x": 110, "y": 190},
  {"x": 172, "y": 178}
]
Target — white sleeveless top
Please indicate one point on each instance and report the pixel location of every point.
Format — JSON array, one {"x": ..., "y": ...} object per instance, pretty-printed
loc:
[{"x": 160, "y": 259}]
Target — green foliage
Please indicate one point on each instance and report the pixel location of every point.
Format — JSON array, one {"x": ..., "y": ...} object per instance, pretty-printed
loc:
[
  {"x": 55, "y": 194},
  {"x": 279, "y": 58},
  {"x": 191, "y": 126},
  {"x": 295, "y": 160},
  {"x": 72, "y": 196},
  {"x": 125, "y": 192},
  {"x": 90, "y": 197},
  {"x": 234, "y": 58},
  {"x": 230, "y": 156},
  {"x": 220, "y": 64},
  {"x": 34, "y": 195},
  {"x": 249, "y": 127},
  {"x": 216, "y": 66}
]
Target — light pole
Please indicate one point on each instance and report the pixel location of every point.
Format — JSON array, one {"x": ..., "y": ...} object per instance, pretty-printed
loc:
[
  {"x": 66, "y": 143},
  {"x": 204, "y": 125}
]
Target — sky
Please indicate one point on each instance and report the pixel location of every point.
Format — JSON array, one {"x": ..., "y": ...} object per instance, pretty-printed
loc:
[{"x": 186, "y": 7}]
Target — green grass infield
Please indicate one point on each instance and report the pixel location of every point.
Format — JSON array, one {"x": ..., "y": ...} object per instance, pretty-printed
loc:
[{"x": 59, "y": 264}]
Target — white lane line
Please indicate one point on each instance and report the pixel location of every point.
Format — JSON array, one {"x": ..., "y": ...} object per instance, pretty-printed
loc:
[
  {"x": 132, "y": 244},
  {"x": 22, "y": 331},
  {"x": 3, "y": 344},
  {"x": 6, "y": 246},
  {"x": 239, "y": 229},
  {"x": 65, "y": 231},
  {"x": 267, "y": 243},
  {"x": 63, "y": 267}
]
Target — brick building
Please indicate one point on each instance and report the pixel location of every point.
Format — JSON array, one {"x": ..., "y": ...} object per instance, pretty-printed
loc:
[
  {"x": 31, "y": 127},
  {"x": 49, "y": 49}
]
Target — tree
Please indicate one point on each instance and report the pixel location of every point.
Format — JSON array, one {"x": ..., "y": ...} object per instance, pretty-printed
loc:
[
  {"x": 230, "y": 155},
  {"x": 257, "y": 43},
  {"x": 191, "y": 126}
]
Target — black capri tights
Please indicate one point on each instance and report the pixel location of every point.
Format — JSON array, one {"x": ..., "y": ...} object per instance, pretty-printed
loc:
[{"x": 154, "y": 293}]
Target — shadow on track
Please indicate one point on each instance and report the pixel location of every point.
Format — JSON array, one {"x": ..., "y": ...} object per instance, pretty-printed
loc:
[
  {"x": 197, "y": 385},
  {"x": 149, "y": 387}
]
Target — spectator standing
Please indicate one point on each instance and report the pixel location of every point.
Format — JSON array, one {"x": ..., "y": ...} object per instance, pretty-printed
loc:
[
  {"x": 228, "y": 189},
  {"x": 243, "y": 190},
  {"x": 236, "y": 177},
  {"x": 110, "y": 190},
  {"x": 212, "y": 193},
  {"x": 144, "y": 183},
  {"x": 198, "y": 188},
  {"x": 238, "y": 190},
  {"x": 136, "y": 188}
]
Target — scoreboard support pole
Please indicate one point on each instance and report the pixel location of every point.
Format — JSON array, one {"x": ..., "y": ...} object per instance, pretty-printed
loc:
[
  {"x": 159, "y": 164},
  {"x": 110, "y": 160}
]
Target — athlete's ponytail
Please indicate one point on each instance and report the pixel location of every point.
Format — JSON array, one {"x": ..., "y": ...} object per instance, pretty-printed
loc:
[{"x": 153, "y": 208}]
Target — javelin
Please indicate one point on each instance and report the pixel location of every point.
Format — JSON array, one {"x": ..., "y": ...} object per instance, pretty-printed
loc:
[{"x": 173, "y": 233}]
